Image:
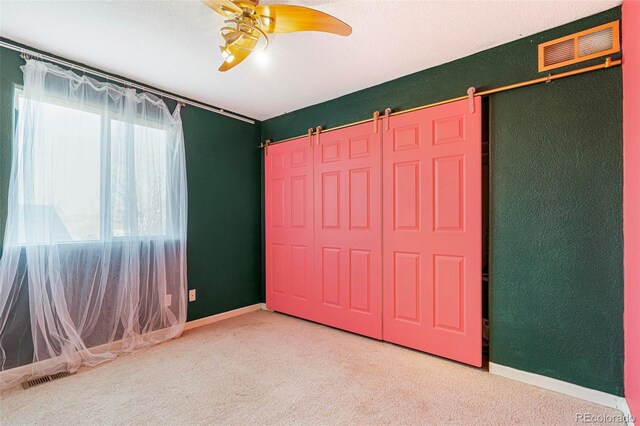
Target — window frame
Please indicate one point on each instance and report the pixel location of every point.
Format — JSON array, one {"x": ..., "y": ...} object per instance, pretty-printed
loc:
[{"x": 106, "y": 221}]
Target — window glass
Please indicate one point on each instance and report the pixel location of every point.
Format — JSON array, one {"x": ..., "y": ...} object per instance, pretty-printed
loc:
[
  {"x": 60, "y": 195},
  {"x": 65, "y": 198},
  {"x": 138, "y": 180}
]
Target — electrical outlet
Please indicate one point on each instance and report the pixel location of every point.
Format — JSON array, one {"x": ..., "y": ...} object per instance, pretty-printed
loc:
[
  {"x": 167, "y": 300},
  {"x": 192, "y": 295}
]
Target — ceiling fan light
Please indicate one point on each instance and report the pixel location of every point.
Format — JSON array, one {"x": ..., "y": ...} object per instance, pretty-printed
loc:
[
  {"x": 247, "y": 22},
  {"x": 226, "y": 54}
]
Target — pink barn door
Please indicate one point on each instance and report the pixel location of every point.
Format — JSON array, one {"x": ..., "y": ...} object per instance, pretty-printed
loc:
[
  {"x": 289, "y": 228},
  {"x": 432, "y": 231},
  {"x": 348, "y": 258}
]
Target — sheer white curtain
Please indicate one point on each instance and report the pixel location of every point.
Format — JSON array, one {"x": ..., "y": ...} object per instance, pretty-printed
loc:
[{"x": 94, "y": 252}]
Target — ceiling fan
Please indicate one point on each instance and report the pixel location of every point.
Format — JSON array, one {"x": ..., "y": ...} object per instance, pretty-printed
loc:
[{"x": 248, "y": 24}]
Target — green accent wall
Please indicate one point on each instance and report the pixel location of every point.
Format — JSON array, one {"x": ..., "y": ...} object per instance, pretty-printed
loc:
[
  {"x": 555, "y": 265},
  {"x": 10, "y": 76},
  {"x": 556, "y": 290},
  {"x": 556, "y": 230},
  {"x": 224, "y": 250},
  {"x": 223, "y": 178},
  {"x": 505, "y": 64}
]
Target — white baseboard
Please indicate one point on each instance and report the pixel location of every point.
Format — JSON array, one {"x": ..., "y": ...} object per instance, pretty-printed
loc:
[
  {"x": 223, "y": 316},
  {"x": 24, "y": 370},
  {"x": 566, "y": 388}
]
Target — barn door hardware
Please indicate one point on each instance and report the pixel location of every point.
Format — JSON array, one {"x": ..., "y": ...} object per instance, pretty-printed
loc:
[
  {"x": 608, "y": 63},
  {"x": 310, "y": 135},
  {"x": 470, "y": 93},
  {"x": 376, "y": 116},
  {"x": 265, "y": 145}
]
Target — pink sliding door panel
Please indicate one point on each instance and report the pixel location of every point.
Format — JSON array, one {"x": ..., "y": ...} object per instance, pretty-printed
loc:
[
  {"x": 289, "y": 228},
  {"x": 347, "y": 205},
  {"x": 416, "y": 186},
  {"x": 432, "y": 231}
]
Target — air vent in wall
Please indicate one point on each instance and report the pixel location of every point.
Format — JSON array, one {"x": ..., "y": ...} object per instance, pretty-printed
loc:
[{"x": 592, "y": 43}]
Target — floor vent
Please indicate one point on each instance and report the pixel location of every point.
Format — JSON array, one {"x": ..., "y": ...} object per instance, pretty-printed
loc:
[
  {"x": 592, "y": 43},
  {"x": 44, "y": 379}
]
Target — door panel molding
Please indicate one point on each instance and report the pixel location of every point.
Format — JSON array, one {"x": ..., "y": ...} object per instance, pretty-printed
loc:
[
  {"x": 289, "y": 228},
  {"x": 432, "y": 231},
  {"x": 348, "y": 197},
  {"x": 415, "y": 186}
]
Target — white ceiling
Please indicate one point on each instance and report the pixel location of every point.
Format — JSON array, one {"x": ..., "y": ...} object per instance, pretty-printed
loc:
[{"x": 172, "y": 45}]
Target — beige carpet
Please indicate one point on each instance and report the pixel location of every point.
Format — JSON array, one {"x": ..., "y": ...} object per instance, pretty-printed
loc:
[{"x": 268, "y": 368}]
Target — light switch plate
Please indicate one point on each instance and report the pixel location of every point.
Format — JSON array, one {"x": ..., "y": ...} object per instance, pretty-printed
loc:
[
  {"x": 192, "y": 295},
  {"x": 167, "y": 300}
]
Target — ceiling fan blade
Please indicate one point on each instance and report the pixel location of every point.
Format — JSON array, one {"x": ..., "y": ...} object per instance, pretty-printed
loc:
[
  {"x": 223, "y": 7},
  {"x": 240, "y": 51},
  {"x": 283, "y": 18}
]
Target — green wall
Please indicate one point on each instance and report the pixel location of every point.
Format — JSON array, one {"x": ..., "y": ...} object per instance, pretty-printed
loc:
[
  {"x": 556, "y": 209},
  {"x": 556, "y": 290},
  {"x": 10, "y": 76},
  {"x": 556, "y": 230},
  {"x": 223, "y": 178},
  {"x": 224, "y": 242},
  {"x": 509, "y": 63}
]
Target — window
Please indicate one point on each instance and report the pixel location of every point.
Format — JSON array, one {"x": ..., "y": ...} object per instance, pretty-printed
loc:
[
  {"x": 131, "y": 169},
  {"x": 91, "y": 183}
]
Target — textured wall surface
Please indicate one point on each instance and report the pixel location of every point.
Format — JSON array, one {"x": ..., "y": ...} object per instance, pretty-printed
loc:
[
  {"x": 224, "y": 246},
  {"x": 223, "y": 178},
  {"x": 556, "y": 238},
  {"x": 556, "y": 230},
  {"x": 631, "y": 122},
  {"x": 556, "y": 289},
  {"x": 509, "y": 63}
]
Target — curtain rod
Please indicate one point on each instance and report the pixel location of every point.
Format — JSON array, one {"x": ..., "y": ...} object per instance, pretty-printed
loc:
[
  {"x": 35, "y": 54},
  {"x": 608, "y": 63}
]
